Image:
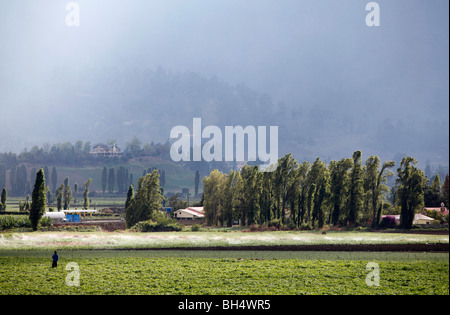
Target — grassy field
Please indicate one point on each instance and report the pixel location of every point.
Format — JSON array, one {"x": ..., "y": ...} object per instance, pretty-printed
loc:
[
  {"x": 213, "y": 276},
  {"x": 25, "y": 260},
  {"x": 70, "y": 255}
]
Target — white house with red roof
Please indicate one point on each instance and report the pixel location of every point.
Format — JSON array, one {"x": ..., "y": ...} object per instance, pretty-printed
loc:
[{"x": 190, "y": 213}]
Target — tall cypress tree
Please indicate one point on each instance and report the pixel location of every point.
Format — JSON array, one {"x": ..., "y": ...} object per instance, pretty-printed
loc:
[
  {"x": 104, "y": 178},
  {"x": 2, "y": 175},
  {"x": 54, "y": 178},
  {"x": 3, "y": 199},
  {"x": 197, "y": 182},
  {"x": 111, "y": 180},
  {"x": 129, "y": 196},
  {"x": 38, "y": 200},
  {"x": 86, "y": 193},
  {"x": 59, "y": 196}
]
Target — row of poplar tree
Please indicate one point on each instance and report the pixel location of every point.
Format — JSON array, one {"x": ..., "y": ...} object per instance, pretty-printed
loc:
[
  {"x": 123, "y": 179},
  {"x": 345, "y": 192},
  {"x": 18, "y": 178}
]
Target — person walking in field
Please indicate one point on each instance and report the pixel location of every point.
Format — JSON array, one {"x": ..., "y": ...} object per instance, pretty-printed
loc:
[{"x": 55, "y": 260}]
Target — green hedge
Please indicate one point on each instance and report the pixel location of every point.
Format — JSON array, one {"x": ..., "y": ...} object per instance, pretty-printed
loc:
[
  {"x": 159, "y": 223},
  {"x": 14, "y": 222}
]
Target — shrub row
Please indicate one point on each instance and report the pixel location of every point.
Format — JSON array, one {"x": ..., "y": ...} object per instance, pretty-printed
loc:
[
  {"x": 159, "y": 223},
  {"x": 14, "y": 222}
]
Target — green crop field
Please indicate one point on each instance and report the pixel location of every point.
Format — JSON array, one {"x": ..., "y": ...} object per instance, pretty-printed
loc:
[
  {"x": 133, "y": 263},
  {"x": 213, "y": 276}
]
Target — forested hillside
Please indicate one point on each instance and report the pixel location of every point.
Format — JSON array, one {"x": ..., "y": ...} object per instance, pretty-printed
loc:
[{"x": 100, "y": 104}]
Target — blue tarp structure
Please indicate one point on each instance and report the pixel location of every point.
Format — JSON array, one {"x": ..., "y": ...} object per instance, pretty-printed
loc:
[{"x": 73, "y": 217}]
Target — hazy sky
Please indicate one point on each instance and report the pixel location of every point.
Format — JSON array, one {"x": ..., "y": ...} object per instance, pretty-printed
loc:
[{"x": 302, "y": 52}]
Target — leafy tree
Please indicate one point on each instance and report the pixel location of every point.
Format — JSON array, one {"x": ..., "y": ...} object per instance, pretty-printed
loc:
[
  {"x": 251, "y": 191},
  {"x": 321, "y": 196},
  {"x": 86, "y": 193},
  {"x": 147, "y": 200},
  {"x": 374, "y": 183},
  {"x": 339, "y": 185},
  {"x": 87, "y": 148},
  {"x": 310, "y": 202},
  {"x": 356, "y": 189},
  {"x": 295, "y": 187},
  {"x": 445, "y": 191},
  {"x": 175, "y": 202},
  {"x": 436, "y": 183},
  {"x": 315, "y": 178},
  {"x": 411, "y": 181},
  {"x": 267, "y": 198},
  {"x": 59, "y": 196},
  {"x": 68, "y": 197},
  {"x": 431, "y": 195},
  {"x": 284, "y": 178},
  {"x": 229, "y": 197},
  {"x": 212, "y": 192},
  {"x": 38, "y": 200},
  {"x": 304, "y": 180},
  {"x": 134, "y": 147}
]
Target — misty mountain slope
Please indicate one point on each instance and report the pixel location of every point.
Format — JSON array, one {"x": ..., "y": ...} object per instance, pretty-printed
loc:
[
  {"x": 332, "y": 82},
  {"x": 106, "y": 103}
]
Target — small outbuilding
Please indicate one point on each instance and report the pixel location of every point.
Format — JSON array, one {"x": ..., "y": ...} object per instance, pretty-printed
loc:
[
  {"x": 422, "y": 219},
  {"x": 190, "y": 213},
  {"x": 75, "y": 215},
  {"x": 418, "y": 219},
  {"x": 57, "y": 217}
]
